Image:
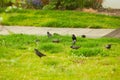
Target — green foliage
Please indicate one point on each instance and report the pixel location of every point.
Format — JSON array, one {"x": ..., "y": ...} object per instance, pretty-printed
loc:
[
  {"x": 73, "y": 4},
  {"x": 49, "y": 7},
  {"x": 95, "y": 4},
  {"x": 13, "y": 8},
  {"x": 3, "y": 3},
  {"x": 6, "y": 3}
]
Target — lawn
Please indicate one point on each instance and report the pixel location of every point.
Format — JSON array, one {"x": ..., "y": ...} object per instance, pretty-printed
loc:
[
  {"x": 91, "y": 62},
  {"x": 47, "y": 18}
]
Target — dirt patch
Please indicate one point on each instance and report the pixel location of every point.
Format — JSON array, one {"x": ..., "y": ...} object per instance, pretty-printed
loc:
[
  {"x": 114, "y": 12},
  {"x": 111, "y": 12}
]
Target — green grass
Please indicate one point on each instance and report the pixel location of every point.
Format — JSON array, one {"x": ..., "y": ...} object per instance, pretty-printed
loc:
[
  {"x": 45, "y": 18},
  {"x": 91, "y": 62}
]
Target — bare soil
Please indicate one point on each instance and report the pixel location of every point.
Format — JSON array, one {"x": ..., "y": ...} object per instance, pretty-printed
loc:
[
  {"x": 111, "y": 12},
  {"x": 115, "y": 12}
]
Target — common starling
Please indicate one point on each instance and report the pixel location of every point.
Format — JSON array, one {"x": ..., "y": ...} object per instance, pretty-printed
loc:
[
  {"x": 108, "y": 46},
  {"x": 74, "y": 47},
  {"x": 49, "y": 34},
  {"x": 55, "y": 40},
  {"x": 39, "y": 53},
  {"x": 74, "y": 37},
  {"x": 83, "y": 36},
  {"x": 73, "y": 42}
]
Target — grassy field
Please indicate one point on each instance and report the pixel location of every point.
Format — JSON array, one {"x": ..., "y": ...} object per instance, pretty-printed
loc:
[
  {"x": 91, "y": 62},
  {"x": 46, "y": 18}
]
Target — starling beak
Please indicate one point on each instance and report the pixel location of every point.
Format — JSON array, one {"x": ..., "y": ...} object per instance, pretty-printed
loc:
[
  {"x": 55, "y": 40},
  {"x": 74, "y": 37},
  {"x": 49, "y": 34},
  {"x": 108, "y": 46},
  {"x": 39, "y": 53},
  {"x": 75, "y": 47},
  {"x": 83, "y": 36}
]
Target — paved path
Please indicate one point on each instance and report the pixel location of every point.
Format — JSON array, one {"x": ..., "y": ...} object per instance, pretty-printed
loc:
[
  {"x": 115, "y": 34},
  {"x": 91, "y": 33}
]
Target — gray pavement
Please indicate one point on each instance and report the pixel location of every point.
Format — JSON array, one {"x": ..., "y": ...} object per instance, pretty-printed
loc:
[{"x": 91, "y": 33}]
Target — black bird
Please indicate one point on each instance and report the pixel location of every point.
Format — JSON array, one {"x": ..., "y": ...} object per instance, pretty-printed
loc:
[
  {"x": 83, "y": 36},
  {"x": 74, "y": 37},
  {"x": 55, "y": 40},
  {"x": 108, "y": 46},
  {"x": 49, "y": 34},
  {"x": 73, "y": 42},
  {"x": 39, "y": 53},
  {"x": 74, "y": 47}
]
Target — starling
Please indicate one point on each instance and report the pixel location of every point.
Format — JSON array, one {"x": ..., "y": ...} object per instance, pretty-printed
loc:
[
  {"x": 49, "y": 34},
  {"x": 55, "y": 40},
  {"x": 83, "y": 36},
  {"x": 108, "y": 46},
  {"x": 74, "y": 37},
  {"x": 74, "y": 47},
  {"x": 73, "y": 42},
  {"x": 39, "y": 53}
]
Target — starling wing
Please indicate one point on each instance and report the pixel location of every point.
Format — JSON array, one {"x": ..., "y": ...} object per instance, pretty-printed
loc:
[{"x": 39, "y": 53}]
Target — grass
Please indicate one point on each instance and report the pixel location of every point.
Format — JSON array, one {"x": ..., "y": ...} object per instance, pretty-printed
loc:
[
  {"x": 47, "y": 18},
  {"x": 91, "y": 62}
]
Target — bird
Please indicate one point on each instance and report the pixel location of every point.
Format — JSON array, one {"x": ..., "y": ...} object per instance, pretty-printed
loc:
[
  {"x": 55, "y": 40},
  {"x": 74, "y": 37},
  {"x": 49, "y": 34},
  {"x": 37, "y": 52},
  {"x": 73, "y": 42},
  {"x": 83, "y": 36},
  {"x": 108, "y": 46},
  {"x": 74, "y": 47}
]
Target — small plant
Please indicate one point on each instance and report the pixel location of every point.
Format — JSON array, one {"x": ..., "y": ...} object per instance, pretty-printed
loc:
[
  {"x": 12, "y": 8},
  {"x": 49, "y": 7}
]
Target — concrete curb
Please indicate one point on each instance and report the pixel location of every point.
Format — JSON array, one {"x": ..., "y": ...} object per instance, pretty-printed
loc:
[{"x": 91, "y": 33}]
